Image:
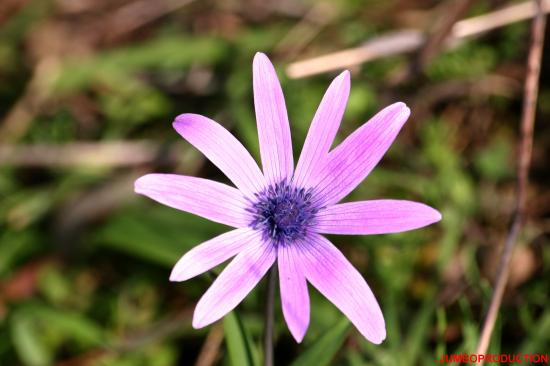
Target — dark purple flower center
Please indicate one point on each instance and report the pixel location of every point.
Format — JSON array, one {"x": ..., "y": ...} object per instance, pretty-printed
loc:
[{"x": 283, "y": 212}]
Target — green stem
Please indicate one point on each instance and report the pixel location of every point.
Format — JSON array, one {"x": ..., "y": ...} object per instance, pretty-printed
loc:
[{"x": 268, "y": 335}]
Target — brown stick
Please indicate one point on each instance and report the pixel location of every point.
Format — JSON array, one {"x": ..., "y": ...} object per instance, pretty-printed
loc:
[
  {"x": 137, "y": 14},
  {"x": 211, "y": 347},
  {"x": 104, "y": 154},
  {"x": 524, "y": 159},
  {"x": 408, "y": 40},
  {"x": 37, "y": 92},
  {"x": 300, "y": 35}
]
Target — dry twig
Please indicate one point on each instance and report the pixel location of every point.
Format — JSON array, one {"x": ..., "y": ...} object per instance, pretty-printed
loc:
[
  {"x": 524, "y": 159},
  {"x": 76, "y": 154},
  {"x": 211, "y": 347},
  {"x": 36, "y": 94},
  {"x": 137, "y": 14},
  {"x": 306, "y": 29},
  {"x": 408, "y": 40}
]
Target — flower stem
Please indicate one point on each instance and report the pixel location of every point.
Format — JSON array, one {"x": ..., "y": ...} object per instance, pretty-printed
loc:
[
  {"x": 531, "y": 88},
  {"x": 268, "y": 335}
]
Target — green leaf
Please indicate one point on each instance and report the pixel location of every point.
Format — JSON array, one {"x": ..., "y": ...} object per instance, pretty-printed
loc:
[
  {"x": 162, "y": 53},
  {"x": 37, "y": 331},
  {"x": 14, "y": 246},
  {"x": 539, "y": 338},
  {"x": 70, "y": 325},
  {"x": 30, "y": 348},
  {"x": 419, "y": 329},
  {"x": 157, "y": 234},
  {"x": 239, "y": 344},
  {"x": 493, "y": 161},
  {"x": 325, "y": 348}
]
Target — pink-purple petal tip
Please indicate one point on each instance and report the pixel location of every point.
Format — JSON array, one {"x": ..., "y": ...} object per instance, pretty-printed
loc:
[
  {"x": 294, "y": 291},
  {"x": 206, "y": 198},
  {"x": 272, "y": 121},
  {"x": 327, "y": 269},
  {"x": 323, "y": 128},
  {"x": 375, "y": 217},
  {"x": 211, "y": 253},
  {"x": 352, "y": 160},
  {"x": 222, "y": 149},
  {"x": 234, "y": 283}
]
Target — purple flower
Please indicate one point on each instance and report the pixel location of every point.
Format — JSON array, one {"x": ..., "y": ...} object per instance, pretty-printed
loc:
[{"x": 280, "y": 214}]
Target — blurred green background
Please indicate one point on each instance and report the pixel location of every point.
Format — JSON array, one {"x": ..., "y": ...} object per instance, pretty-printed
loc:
[{"x": 88, "y": 90}]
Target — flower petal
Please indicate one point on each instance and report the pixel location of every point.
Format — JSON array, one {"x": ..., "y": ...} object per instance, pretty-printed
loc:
[
  {"x": 222, "y": 149},
  {"x": 272, "y": 120},
  {"x": 212, "y": 200},
  {"x": 351, "y": 161},
  {"x": 211, "y": 253},
  {"x": 329, "y": 271},
  {"x": 375, "y": 217},
  {"x": 294, "y": 294},
  {"x": 234, "y": 283},
  {"x": 323, "y": 127}
]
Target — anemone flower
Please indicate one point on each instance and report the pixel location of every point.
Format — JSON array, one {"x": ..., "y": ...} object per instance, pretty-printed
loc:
[{"x": 279, "y": 214}]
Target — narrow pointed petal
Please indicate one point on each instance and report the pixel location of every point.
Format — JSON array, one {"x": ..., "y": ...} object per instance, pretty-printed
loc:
[
  {"x": 272, "y": 119},
  {"x": 329, "y": 271},
  {"x": 234, "y": 283},
  {"x": 350, "y": 162},
  {"x": 294, "y": 294},
  {"x": 323, "y": 127},
  {"x": 223, "y": 150},
  {"x": 212, "y": 200},
  {"x": 375, "y": 217},
  {"x": 213, "y": 252}
]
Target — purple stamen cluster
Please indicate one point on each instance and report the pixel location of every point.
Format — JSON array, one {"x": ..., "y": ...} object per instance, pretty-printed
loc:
[{"x": 283, "y": 212}]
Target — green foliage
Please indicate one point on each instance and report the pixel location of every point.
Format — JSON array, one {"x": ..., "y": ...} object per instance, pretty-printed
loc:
[
  {"x": 155, "y": 234},
  {"x": 493, "y": 161},
  {"x": 37, "y": 329},
  {"x": 86, "y": 279},
  {"x": 240, "y": 349},
  {"x": 27, "y": 343},
  {"x": 322, "y": 351},
  {"x": 165, "y": 53},
  {"x": 13, "y": 247},
  {"x": 479, "y": 59}
]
